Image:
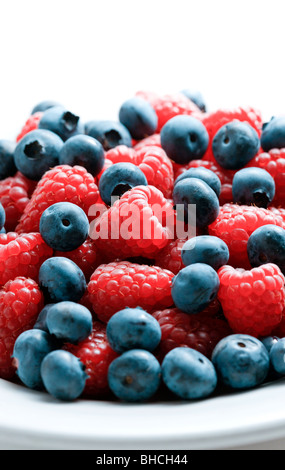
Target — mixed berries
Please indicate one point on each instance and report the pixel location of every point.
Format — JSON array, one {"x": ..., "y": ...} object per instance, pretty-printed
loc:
[{"x": 143, "y": 256}]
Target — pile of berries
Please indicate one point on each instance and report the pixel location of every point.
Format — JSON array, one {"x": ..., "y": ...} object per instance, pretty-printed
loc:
[{"x": 146, "y": 255}]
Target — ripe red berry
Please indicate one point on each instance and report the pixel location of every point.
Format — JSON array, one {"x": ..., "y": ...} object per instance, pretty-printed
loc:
[
  {"x": 14, "y": 198},
  {"x": 31, "y": 124}
]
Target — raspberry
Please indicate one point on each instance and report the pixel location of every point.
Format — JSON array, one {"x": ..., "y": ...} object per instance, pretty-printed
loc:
[
  {"x": 20, "y": 304},
  {"x": 278, "y": 211},
  {"x": 171, "y": 105},
  {"x": 117, "y": 285},
  {"x": 96, "y": 354},
  {"x": 30, "y": 125},
  {"x": 14, "y": 198},
  {"x": 201, "y": 331},
  {"x": 147, "y": 95},
  {"x": 152, "y": 141},
  {"x": 252, "y": 300},
  {"x": 62, "y": 183},
  {"x": 22, "y": 255},
  {"x": 235, "y": 224},
  {"x": 170, "y": 257},
  {"x": 136, "y": 224}
]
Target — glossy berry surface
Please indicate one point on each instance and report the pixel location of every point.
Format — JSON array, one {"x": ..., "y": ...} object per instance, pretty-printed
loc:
[
  {"x": 139, "y": 117},
  {"x": 62, "y": 122},
  {"x": 253, "y": 186},
  {"x": 273, "y": 134},
  {"x": 267, "y": 245},
  {"x": 205, "y": 249},
  {"x": 84, "y": 151},
  {"x": 43, "y": 106},
  {"x": 7, "y": 163},
  {"x": 277, "y": 355},
  {"x": 109, "y": 133},
  {"x": 205, "y": 174}
]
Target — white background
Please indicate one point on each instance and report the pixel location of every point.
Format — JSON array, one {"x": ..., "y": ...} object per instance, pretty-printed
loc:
[{"x": 91, "y": 55}]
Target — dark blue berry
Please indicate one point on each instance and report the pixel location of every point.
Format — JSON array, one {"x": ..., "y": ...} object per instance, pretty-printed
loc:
[
  {"x": 139, "y": 117},
  {"x": 61, "y": 279},
  {"x": 7, "y": 162},
  {"x": 41, "y": 322},
  {"x": 190, "y": 192},
  {"x": 84, "y": 151},
  {"x": 253, "y": 186},
  {"x": 109, "y": 133},
  {"x": 69, "y": 322},
  {"x": 194, "y": 287},
  {"x": 44, "y": 106},
  {"x": 37, "y": 152},
  {"x": 133, "y": 328},
  {"x": 63, "y": 375},
  {"x": 2, "y": 218},
  {"x": 30, "y": 349},
  {"x": 241, "y": 361},
  {"x": 277, "y": 356},
  {"x": 273, "y": 134},
  {"x": 64, "y": 226},
  {"x": 235, "y": 144},
  {"x": 269, "y": 341},
  {"x": 205, "y": 249},
  {"x": 119, "y": 178},
  {"x": 62, "y": 122},
  {"x": 184, "y": 138},
  {"x": 267, "y": 245},
  {"x": 196, "y": 97},
  {"x": 206, "y": 175},
  {"x": 135, "y": 376},
  {"x": 188, "y": 373}
]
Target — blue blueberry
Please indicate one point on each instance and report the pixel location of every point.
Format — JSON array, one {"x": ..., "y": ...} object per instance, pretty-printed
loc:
[
  {"x": 133, "y": 328},
  {"x": 269, "y": 341},
  {"x": 241, "y": 361},
  {"x": 194, "y": 287},
  {"x": 44, "y": 106},
  {"x": 196, "y": 97},
  {"x": 205, "y": 249},
  {"x": 139, "y": 117},
  {"x": 235, "y": 144},
  {"x": 61, "y": 122},
  {"x": 184, "y": 138},
  {"x": 7, "y": 162},
  {"x": 109, "y": 133},
  {"x": 63, "y": 375},
  {"x": 188, "y": 373},
  {"x": 61, "y": 279},
  {"x": 69, "y": 321},
  {"x": 273, "y": 134},
  {"x": 206, "y": 175},
  {"x": 30, "y": 349},
  {"x": 64, "y": 226},
  {"x": 119, "y": 178},
  {"x": 41, "y": 322},
  {"x": 253, "y": 186},
  {"x": 277, "y": 356},
  {"x": 195, "y": 192},
  {"x": 37, "y": 152},
  {"x": 134, "y": 376},
  {"x": 84, "y": 151},
  {"x": 2, "y": 218},
  {"x": 267, "y": 245}
]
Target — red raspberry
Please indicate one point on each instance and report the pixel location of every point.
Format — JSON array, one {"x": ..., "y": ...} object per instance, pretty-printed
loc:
[
  {"x": 117, "y": 285},
  {"x": 141, "y": 223},
  {"x": 14, "y": 198},
  {"x": 152, "y": 141},
  {"x": 235, "y": 224},
  {"x": 170, "y": 257},
  {"x": 20, "y": 304},
  {"x": 62, "y": 183},
  {"x": 171, "y": 105},
  {"x": 30, "y": 125},
  {"x": 274, "y": 163},
  {"x": 147, "y": 95},
  {"x": 96, "y": 354},
  {"x": 201, "y": 332},
  {"x": 252, "y": 300},
  {"x": 122, "y": 153},
  {"x": 22, "y": 255},
  {"x": 278, "y": 211}
]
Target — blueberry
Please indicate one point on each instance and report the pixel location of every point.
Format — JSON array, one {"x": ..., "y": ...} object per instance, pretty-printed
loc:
[
  {"x": 196, "y": 97},
  {"x": 194, "y": 287},
  {"x": 253, "y": 186},
  {"x": 134, "y": 376},
  {"x": 7, "y": 162},
  {"x": 44, "y": 106},
  {"x": 273, "y": 134},
  {"x": 206, "y": 175},
  {"x": 63, "y": 375},
  {"x": 235, "y": 144},
  {"x": 119, "y": 178},
  {"x": 133, "y": 328},
  {"x": 277, "y": 356},
  {"x": 267, "y": 245},
  {"x": 269, "y": 341},
  {"x": 139, "y": 117},
  {"x": 84, "y": 151},
  {"x": 194, "y": 191},
  {"x": 30, "y": 349},
  {"x": 37, "y": 152},
  {"x": 64, "y": 226},
  {"x": 241, "y": 361},
  {"x": 69, "y": 321},
  {"x": 41, "y": 322},
  {"x": 62, "y": 122},
  {"x": 61, "y": 279},
  {"x": 205, "y": 249},
  {"x": 188, "y": 373},
  {"x": 2, "y": 217},
  {"x": 184, "y": 138},
  {"x": 109, "y": 133}
]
